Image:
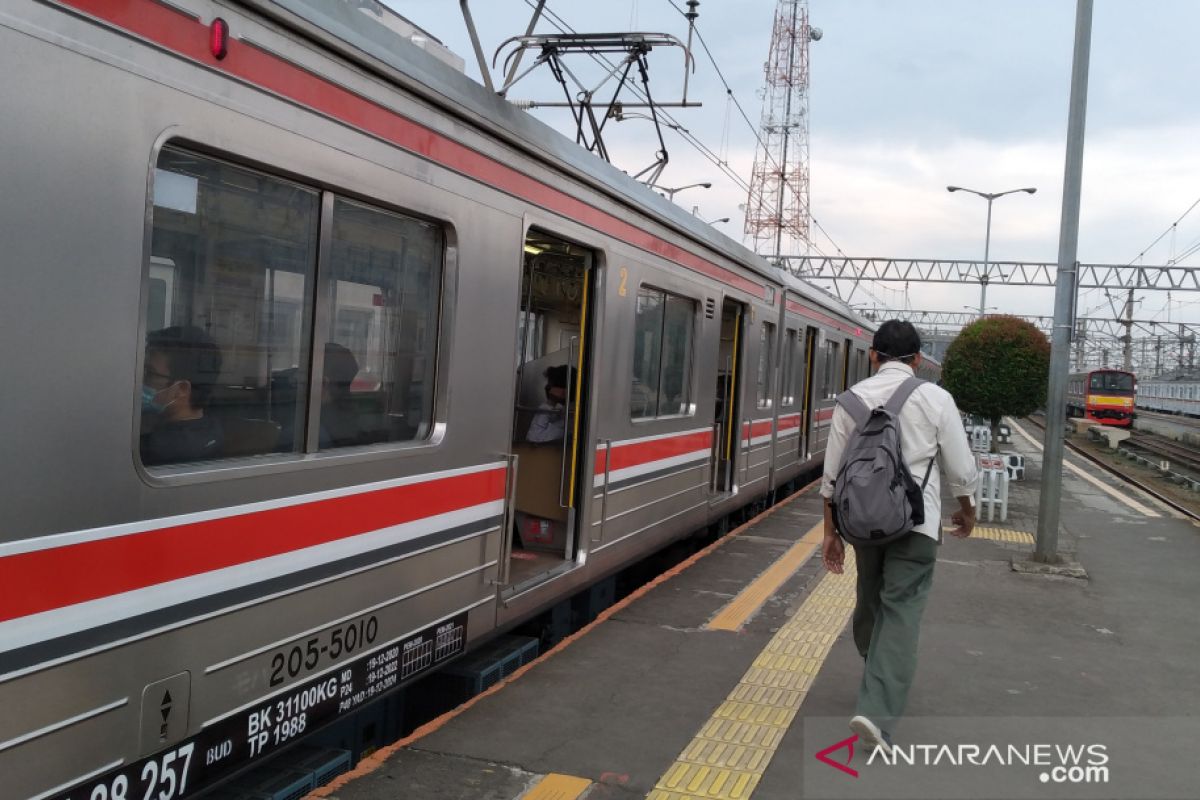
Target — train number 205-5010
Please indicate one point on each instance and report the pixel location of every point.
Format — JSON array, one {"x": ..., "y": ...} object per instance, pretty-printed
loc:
[
  {"x": 328, "y": 646},
  {"x": 161, "y": 778}
]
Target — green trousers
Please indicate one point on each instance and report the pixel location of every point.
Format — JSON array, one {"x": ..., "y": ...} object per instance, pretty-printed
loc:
[{"x": 893, "y": 585}]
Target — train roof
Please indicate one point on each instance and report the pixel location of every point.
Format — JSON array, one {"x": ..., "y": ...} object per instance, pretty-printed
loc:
[{"x": 367, "y": 33}]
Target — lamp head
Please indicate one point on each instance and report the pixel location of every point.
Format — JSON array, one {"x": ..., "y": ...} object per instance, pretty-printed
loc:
[
  {"x": 1030, "y": 190},
  {"x": 953, "y": 188}
]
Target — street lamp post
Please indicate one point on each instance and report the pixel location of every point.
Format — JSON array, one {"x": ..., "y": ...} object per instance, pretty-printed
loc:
[
  {"x": 987, "y": 241},
  {"x": 670, "y": 193},
  {"x": 696, "y": 213}
]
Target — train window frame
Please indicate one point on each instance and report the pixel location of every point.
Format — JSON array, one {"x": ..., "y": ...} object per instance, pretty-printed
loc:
[
  {"x": 787, "y": 382},
  {"x": 832, "y": 367},
  {"x": 306, "y": 457},
  {"x": 764, "y": 389},
  {"x": 689, "y": 404}
]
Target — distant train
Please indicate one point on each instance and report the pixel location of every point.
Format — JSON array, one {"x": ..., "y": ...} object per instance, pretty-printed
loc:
[
  {"x": 283, "y": 313},
  {"x": 1106, "y": 396},
  {"x": 1171, "y": 396}
]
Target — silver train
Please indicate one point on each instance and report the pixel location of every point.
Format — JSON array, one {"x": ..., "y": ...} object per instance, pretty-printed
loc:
[
  {"x": 282, "y": 293},
  {"x": 1178, "y": 395}
]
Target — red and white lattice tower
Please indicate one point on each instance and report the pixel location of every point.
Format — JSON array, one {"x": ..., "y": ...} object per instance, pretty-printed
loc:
[{"x": 777, "y": 215}]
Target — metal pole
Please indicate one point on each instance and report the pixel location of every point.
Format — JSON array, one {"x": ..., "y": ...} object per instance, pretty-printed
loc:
[
  {"x": 483, "y": 67},
  {"x": 1080, "y": 338},
  {"x": 1046, "y": 549},
  {"x": 533, "y": 21},
  {"x": 987, "y": 248},
  {"x": 1127, "y": 355}
]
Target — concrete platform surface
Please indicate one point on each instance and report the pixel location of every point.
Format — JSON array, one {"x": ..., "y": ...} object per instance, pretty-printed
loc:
[{"x": 651, "y": 703}]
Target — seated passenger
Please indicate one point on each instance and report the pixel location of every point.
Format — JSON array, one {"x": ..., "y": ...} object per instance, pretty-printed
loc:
[
  {"x": 182, "y": 364},
  {"x": 340, "y": 424},
  {"x": 549, "y": 423}
]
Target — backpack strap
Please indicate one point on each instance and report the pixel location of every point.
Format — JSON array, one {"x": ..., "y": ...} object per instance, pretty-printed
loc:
[
  {"x": 856, "y": 407},
  {"x": 897, "y": 401},
  {"x": 900, "y": 396}
]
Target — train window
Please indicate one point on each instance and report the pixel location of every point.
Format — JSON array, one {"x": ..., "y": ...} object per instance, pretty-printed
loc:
[
  {"x": 766, "y": 364},
  {"x": 833, "y": 363},
  {"x": 1111, "y": 382},
  {"x": 531, "y": 337},
  {"x": 662, "y": 354},
  {"x": 228, "y": 303},
  {"x": 384, "y": 282},
  {"x": 789, "y": 368}
]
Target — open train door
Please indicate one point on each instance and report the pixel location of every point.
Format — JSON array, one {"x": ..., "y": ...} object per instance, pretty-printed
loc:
[
  {"x": 810, "y": 356},
  {"x": 548, "y": 465},
  {"x": 729, "y": 389}
]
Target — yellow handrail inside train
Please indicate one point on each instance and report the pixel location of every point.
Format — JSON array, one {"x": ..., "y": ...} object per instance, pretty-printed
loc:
[
  {"x": 731, "y": 386},
  {"x": 587, "y": 275}
]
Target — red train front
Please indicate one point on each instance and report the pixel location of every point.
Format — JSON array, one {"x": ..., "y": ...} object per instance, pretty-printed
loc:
[{"x": 1105, "y": 396}]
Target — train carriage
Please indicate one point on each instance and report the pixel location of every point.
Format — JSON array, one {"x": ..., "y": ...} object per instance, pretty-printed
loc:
[
  {"x": 354, "y": 271},
  {"x": 1178, "y": 394},
  {"x": 1106, "y": 396}
]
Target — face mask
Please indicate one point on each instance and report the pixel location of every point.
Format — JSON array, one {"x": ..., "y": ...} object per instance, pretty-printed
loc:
[{"x": 149, "y": 403}]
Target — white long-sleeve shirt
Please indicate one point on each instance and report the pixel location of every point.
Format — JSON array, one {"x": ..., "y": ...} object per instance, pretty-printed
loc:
[
  {"x": 930, "y": 426},
  {"x": 547, "y": 425}
]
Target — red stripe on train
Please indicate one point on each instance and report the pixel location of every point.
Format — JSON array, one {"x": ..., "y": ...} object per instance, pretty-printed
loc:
[
  {"x": 789, "y": 422},
  {"x": 47, "y": 579},
  {"x": 189, "y": 38},
  {"x": 803, "y": 310},
  {"x": 637, "y": 453},
  {"x": 758, "y": 428}
]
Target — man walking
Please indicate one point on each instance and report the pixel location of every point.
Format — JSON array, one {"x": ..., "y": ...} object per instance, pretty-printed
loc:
[{"x": 894, "y": 578}]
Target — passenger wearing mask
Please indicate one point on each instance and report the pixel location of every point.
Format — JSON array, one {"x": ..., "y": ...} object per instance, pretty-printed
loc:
[{"x": 181, "y": 366}]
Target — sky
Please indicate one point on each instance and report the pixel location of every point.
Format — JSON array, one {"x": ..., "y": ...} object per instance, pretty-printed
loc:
[{"x": 908, "y": 97}]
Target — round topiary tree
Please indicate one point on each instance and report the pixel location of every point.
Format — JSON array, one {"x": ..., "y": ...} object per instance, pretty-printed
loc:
[{"x": 996, "y": 366}]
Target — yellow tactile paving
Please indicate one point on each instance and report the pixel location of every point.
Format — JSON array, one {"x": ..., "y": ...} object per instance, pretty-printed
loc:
[
  {"x": 557, "y": 787},
  {"x": 727, "y": 758},
  {"x": 1000, "y": 535},
  {"x": 734, "y": 615}
]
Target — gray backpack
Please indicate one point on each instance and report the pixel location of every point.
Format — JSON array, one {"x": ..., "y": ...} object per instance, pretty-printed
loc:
[{"x": 875, "y": 499}]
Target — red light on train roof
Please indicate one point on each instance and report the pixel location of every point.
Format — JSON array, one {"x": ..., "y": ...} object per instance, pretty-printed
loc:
[{"x": 218, "y": 38}]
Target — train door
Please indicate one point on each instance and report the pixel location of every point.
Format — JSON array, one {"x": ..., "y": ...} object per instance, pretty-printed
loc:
[
  {"x": 847, "y": 379},
  {"x": 810, "y": 355},
  {"x": 726, "y": 410},
  {"x": 548, "y": 463}
]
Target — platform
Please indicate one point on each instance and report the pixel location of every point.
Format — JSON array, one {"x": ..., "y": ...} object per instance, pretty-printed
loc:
[{"x": 714, "y": 681}]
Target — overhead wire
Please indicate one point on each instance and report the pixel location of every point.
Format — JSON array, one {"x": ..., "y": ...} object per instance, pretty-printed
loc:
[
  {"x": 753, "y": 128},
  {"x": 728, "y": 89},
  {"x": 562, "y": 26},
  {"x": 1163, "y": 235}
]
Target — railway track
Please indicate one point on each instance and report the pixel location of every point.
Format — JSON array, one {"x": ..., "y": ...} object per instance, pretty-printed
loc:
[
  {"x": 1176, "y": 419},
  {"x": 1174, "y": 452},
  {"x": 1159, "y": 496}
]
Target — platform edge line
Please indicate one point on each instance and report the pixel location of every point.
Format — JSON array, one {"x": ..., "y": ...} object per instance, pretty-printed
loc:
[{"x": 377, "y": 759}]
